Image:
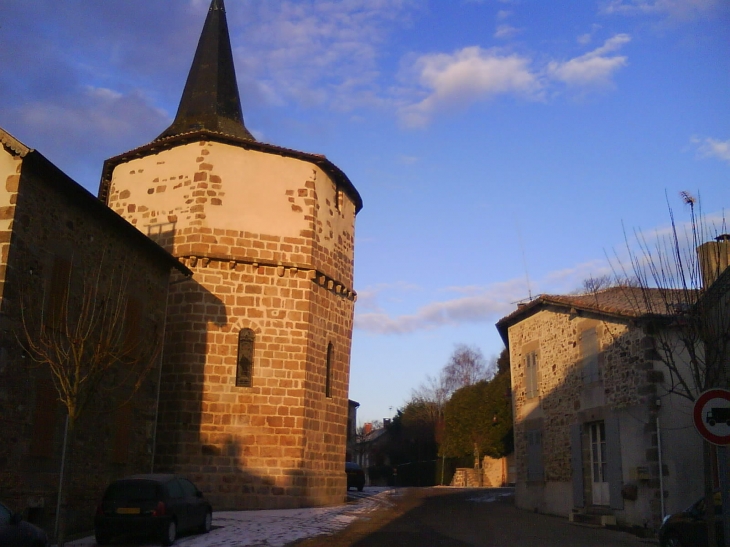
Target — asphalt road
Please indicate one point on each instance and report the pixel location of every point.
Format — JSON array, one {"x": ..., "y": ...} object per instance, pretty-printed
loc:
[{"x": 440, "y": 517}]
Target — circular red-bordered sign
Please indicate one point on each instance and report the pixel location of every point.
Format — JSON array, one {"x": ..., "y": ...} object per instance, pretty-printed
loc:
[{"x": 712, "y": 415}]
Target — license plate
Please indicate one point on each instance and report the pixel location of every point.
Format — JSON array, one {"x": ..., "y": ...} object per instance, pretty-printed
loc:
[{"x": 128, "y": 511}]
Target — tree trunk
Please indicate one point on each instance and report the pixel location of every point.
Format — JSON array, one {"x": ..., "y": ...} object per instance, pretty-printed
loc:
[
  {"x": 709, "y": 496},
  {"x": 63, "y": 483}
]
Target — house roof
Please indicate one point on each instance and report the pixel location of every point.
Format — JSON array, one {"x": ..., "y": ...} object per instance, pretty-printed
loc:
[
  {"x": 617, "y": 302},
  {"x": 210, "y": 99},
  {"x": 52, "y": 175}
]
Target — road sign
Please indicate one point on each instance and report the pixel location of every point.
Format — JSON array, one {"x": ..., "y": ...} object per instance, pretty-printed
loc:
[{"x": 712, "y": 416}]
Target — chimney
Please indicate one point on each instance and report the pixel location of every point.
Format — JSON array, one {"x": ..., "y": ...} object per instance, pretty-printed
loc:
[
  {"x": 367, "y": 428},
  {"x": 714, "y": 258}
]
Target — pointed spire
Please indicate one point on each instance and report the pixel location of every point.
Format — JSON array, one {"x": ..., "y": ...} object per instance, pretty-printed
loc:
[{"x": 210, "y": 99}]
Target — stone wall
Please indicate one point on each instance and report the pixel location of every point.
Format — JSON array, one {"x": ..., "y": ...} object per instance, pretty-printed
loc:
[
  {"x": 53, "y": 218},
  {"x": 562, "y": 393},
  {"x": 270, "y": 242}
]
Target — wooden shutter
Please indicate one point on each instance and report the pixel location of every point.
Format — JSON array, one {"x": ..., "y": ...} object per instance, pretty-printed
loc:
[
  {"x": 58, "y": 291},
  {"x": 122, "y": 434},
  {"x": 589, "y": 352},
  {"x": 614, "y": 468},
  {"x": 576, "y": 463}
]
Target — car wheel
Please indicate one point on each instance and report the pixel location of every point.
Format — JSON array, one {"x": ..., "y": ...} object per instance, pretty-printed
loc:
[
  {"x": 169, "y": 533},
  {"x": 102, "y": 539},
  {"x": 207, "y": 525},
  {"x": 673, "y": 541}
]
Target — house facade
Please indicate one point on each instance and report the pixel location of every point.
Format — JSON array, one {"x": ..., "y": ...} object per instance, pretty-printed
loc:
[
  {"x": 61, "y": 249},
  {"x": 596, "y": 431}
]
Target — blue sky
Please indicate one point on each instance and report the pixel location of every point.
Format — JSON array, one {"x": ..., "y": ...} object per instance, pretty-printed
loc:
[{"x": 492, "y": 141}]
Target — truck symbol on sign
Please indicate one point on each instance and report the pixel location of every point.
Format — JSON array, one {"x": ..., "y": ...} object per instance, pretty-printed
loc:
[{"x": 718, "y": 415}]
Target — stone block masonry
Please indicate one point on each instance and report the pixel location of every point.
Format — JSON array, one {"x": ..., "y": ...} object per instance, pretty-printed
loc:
[{"x": 270, "y": 242}]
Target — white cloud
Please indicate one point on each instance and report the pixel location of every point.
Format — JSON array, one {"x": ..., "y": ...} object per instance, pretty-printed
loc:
[
  {"x": 315, "y": 52},
  {"x": 503, "y": 14},
  {"x": 677, "y": 10},
  {"x": 593, "y": 68},
  {"x": 469, "y": 75},
  {"x": 712, "y": 148},
  {"x": 506, "y": 31},
  {"x": 473, "y": 304}
]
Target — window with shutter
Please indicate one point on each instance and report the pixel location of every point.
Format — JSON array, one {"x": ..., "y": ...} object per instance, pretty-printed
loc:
[
  {"x": 589, "y": 354},
  {"x": 531, "y": 383}
]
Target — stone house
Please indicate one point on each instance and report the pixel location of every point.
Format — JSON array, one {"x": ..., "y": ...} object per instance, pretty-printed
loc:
[
  {"x": 54, "y": 236},
  {"x": 254, "y": 396},
  {"x": 595, "y": 430}
]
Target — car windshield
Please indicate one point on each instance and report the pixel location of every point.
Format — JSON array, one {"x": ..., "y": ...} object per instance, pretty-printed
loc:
[
  {"x": 131, "y": 491},
  {"x": 5, "y": 514}
]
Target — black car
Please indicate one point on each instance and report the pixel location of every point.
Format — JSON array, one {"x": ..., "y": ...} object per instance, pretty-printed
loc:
[
  {"x": 687, "y": 528},
  {"x": 15, "y": 532},
  {"x": 161, "y": 505},
  {"x": 355, "y": 476}
]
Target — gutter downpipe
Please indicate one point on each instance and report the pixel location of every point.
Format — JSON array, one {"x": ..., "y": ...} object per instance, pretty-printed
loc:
[
  {"x": 661, "y": 465},
  {"x": 159, "y": 374},
  {"x": 60, "y": 477}
]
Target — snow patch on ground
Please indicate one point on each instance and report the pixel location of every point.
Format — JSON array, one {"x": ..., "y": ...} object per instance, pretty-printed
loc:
[
  {"x": 492, "y": 495},
  {"x": 276, "y": 528}
]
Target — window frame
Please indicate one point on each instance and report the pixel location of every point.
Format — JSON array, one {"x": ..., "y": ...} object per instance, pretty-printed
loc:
[
  {"x": 246, "y": 350},
  {"x": 328, "y": 371},
  {"x": 532, "y": 383}
]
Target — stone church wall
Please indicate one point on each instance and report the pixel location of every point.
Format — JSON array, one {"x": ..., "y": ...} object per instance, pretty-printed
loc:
[
  {"x": 270, "y": 242},
  {"x": 55, "y": 218}
]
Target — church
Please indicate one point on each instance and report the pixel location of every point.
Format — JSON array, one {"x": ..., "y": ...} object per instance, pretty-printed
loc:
[{"x": 256, "y": 245}]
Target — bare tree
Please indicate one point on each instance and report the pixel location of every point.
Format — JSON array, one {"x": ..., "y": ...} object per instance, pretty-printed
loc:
[
  {"x": 466, "y": 367},
  {"x": 671, "y": 281},
  {"x": 87, "y": 334}
]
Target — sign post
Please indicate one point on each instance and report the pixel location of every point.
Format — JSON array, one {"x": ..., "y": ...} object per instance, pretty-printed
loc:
[{"x": 712, "y": 419}]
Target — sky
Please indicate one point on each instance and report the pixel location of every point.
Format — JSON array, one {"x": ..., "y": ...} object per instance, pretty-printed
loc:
[{"x": 502, "y": 148}]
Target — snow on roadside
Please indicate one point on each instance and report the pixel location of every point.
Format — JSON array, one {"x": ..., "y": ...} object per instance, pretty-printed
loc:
[{"x": 275, "y": 528}]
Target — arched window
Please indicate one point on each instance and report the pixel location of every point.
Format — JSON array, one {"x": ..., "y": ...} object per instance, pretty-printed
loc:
[
  {"x": 328, "y": 377},
  {"x": 244, "y": 366}
]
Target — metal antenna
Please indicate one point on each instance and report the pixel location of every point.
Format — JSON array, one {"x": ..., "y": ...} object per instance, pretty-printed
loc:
[{"x": 524, "y": 258}]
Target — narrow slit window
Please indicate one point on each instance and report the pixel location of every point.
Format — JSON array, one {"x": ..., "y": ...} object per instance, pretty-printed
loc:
[
  {"x": 328, "y": 377},
  {"x": 244, "y": 367}
]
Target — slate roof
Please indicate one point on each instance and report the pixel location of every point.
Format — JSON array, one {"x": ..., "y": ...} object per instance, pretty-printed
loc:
[
  {"x": 210, "y": 99},
  {"x": 618, "y": 302}
]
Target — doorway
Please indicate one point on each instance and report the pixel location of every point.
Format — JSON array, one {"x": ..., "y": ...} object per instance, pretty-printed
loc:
[{"x": 599, "y": 482}]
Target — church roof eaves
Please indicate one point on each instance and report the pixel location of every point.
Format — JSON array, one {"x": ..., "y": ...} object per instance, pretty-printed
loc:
[
  {"x": 13, "y": 144},
  {"x": 156, "y": 146}
]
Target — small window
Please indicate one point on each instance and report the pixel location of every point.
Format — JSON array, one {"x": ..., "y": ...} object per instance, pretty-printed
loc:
[
  {"x": 244, "y": 368},
  {"x": 339, "y": 199},
  {"x": 328, "y": 378},
  {"x": 531, "y": 385}
]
